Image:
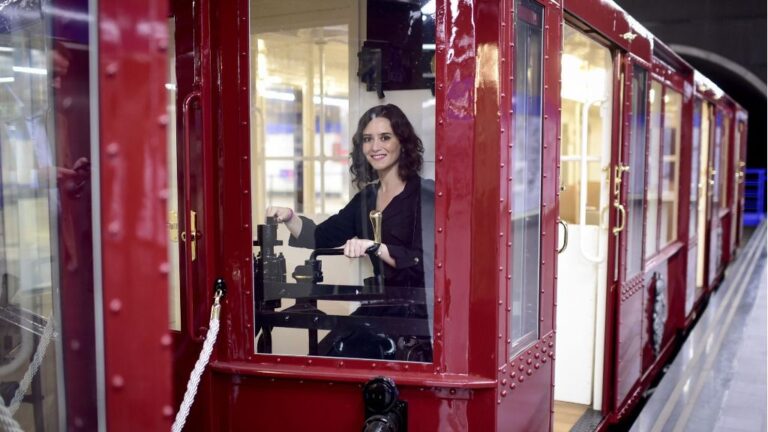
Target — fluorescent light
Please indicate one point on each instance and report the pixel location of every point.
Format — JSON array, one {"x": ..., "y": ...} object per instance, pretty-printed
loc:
[
  {"x": 6, "y": 49},
  {"x": 283, "y": 96},
  {"x": 331, "y": 101},
  {"x": 429, "y": 8},
  {"x": 428, "y": 47},
  {"x": 7, "y": 79},
  {"x": 30, "y": 70}
]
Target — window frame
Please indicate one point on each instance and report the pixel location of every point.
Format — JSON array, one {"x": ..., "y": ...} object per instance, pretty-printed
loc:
[{"x": 669, "y": 79}]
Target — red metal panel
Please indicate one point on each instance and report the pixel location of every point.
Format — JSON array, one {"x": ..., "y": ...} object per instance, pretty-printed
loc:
[
  {"x": 525, "y": 381},
  {"x": 132, "y": 73}
]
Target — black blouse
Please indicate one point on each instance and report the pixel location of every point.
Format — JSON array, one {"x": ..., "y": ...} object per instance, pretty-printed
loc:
[{"x": 400, "y": 231}]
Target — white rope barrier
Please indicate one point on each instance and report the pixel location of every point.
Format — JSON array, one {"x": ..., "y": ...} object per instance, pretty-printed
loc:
[
  {"x": 42, "y": 347},
  {"x": 202, "y": 361},
  {"x": 7, "y": 422}
]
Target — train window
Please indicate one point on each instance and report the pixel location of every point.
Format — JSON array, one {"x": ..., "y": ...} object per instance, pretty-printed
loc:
[
  {"x": 526, "y": 168},
  {"x": 46, "y": 254},
  {"x": 714, "y": 174},
  {"x": 725, "y": 144},
  {"x": 325, "y": 160},
  {"x": 670, "y": 166},
  {"x": 703, "y": 211},
  {"x": 696, "y": 187},
  {"x": 652, "y": 209},
  {"x": 637, "y": 171},
  {"x": 174, "y": 281}
]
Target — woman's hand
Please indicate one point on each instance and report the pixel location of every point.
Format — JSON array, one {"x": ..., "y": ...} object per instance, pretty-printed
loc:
[
  {"x": 281, "y": 214},
  {"x": 355, "y": 247},
  {"x": 286, "y": 216}
]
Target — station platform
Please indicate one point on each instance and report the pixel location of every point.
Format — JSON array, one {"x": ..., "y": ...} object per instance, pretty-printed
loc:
[{"x": 717, "y": 381}]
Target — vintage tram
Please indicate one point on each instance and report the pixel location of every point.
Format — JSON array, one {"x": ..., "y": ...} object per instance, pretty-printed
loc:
[{"x": 580, "y": 199}]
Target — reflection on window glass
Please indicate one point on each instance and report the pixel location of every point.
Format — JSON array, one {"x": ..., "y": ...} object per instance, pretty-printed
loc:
[
  {"x": 323, "y": 159},
  {"x": 654, "y": 154},
  {"x": 636, "y": 173},
  {"x": 46, "y": 271},
  {"x": 670, "y": 166},
  {"x": 526, "y": 171}
]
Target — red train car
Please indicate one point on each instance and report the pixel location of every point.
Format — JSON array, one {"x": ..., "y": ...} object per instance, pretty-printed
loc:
[{"x": 579, "y": 197}]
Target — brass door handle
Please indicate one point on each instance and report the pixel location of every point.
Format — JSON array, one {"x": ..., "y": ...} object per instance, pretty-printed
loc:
[
  {"x": 621, "y": 210},
  {"x": 194, "y": 235},
  {"x": 565, "y": 236}
]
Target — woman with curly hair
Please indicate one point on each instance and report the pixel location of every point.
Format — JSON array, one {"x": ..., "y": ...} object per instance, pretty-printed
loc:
[{"x": 386, "y": 159}]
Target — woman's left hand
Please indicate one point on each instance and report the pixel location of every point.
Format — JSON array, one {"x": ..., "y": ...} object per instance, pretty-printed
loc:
[{"x": 355, "y": 247}]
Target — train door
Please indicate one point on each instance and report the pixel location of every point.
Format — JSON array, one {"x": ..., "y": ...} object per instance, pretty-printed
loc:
[
  {"x": 190, "y": 217},
  {"x": 737, "y": 166},
  {"x": 585, "y": 267},
  {"x": 705, "y": 202},
  {"x": 629, "y": 176},
  {"x": 697, "y": 202},
  {"x": 718, "y": 180},
  {"x": 741, "y": 142}
]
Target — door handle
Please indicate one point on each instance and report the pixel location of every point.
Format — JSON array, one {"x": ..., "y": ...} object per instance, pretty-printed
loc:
[
  {"x": 617, "y": 178},
  {"x": 194, "y": 235},
  {"x": 623, "y": 212},
  {"x": 565, "y": 236}
]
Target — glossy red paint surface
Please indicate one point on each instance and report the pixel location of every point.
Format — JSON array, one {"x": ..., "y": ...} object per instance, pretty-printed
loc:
[{"x": 134, "y": 190}]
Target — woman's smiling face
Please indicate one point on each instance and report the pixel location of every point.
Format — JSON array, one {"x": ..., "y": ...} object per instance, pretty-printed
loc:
[{"x": 380, "y": 144}]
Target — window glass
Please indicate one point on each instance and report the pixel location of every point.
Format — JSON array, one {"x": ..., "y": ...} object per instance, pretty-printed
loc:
[
  {"x": 636, "y": 172},
  {"x": 725, "y": 145},
  {"x": 174, "y": 282},
  {"x": 526, "y": 172},
  {"x": 696, "y": 186},
  {"x": 652, "y": 212},
  {"x": 46, "y": 241},
  {"x": 317, "y": 68},
  {"x": 705, "y": 191},
  {"x": 670, "y": 166},
  {"x": 715, "y": 172}
]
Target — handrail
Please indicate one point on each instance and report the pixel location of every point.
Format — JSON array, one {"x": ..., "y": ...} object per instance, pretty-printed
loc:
[
  {"x": 189, "y": 303},
  {"x": 601, "y": 254}
]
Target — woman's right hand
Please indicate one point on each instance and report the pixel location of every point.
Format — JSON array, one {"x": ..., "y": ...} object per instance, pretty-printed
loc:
[
  {"x": 288, "y": 217},
  {"x": 281, "y": 214}
]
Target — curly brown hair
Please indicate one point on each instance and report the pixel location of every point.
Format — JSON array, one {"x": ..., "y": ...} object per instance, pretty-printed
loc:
[{"x": 411, "y": 158}]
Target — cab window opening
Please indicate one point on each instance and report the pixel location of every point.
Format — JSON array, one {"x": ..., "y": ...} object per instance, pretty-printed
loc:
[
  {"x": 525, "y": 164},
  {"x": 343, "y": 179}
]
